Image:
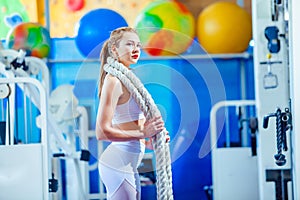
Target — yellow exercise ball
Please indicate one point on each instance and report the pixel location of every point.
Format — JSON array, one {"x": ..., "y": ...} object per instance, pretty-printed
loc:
[{"x": 224, "y": 27}]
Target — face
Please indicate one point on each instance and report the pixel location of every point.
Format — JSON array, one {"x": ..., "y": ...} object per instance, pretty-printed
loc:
[{"x": 129, "y": 49}]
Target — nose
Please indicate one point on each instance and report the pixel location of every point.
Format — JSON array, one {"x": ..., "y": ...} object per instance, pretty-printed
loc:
[{"x": 136, "y": 48}]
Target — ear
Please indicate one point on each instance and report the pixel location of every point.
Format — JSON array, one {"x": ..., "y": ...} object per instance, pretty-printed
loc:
[{"x": 114, "y": 50}]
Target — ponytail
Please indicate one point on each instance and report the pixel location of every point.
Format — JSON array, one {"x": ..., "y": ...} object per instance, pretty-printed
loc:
[{"x": 103, "y": 57}]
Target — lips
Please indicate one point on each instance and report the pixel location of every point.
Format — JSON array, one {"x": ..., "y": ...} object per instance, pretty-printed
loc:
[{"x": 135, "y": 56}]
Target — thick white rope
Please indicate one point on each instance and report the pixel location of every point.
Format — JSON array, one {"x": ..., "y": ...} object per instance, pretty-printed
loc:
[{"x": 150, "y": 110}]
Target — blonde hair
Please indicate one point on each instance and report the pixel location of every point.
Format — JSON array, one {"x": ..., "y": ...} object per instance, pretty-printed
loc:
[{"x": 114, "y": 39}]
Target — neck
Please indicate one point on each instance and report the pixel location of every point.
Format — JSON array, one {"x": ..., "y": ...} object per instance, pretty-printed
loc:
[{"x": 125, "y": 65}]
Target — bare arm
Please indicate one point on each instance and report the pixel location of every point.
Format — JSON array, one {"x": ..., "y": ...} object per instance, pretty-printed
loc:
[{"x": 111, "y": 92}]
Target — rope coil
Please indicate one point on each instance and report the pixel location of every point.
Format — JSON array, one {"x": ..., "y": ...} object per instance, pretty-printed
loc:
[{"x": 150, "y": 110}]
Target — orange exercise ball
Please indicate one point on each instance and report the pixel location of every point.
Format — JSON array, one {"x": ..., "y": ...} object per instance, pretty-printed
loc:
[{"x": 224, "y": 27}]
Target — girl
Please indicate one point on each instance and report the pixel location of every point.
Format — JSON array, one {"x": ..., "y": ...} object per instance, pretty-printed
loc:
[{"x": 120, "y": 121}]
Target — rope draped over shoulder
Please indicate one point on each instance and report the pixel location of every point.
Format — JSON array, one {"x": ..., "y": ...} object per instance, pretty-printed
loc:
[{"x": 150, "y": 110}]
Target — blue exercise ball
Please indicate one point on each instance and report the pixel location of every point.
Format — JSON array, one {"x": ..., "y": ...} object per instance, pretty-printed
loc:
[{"x": 94, "y": 28}]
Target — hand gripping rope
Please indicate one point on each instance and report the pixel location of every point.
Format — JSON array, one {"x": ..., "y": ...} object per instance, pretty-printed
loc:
[{"x": 150, "y": 110}]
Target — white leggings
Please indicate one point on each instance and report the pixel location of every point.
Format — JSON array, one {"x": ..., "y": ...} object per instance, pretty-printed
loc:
[{"x": 118, "y": 168}]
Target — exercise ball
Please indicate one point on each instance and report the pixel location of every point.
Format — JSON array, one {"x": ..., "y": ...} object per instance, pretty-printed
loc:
[
  {"x": 224, "y": 27},
  {"x": 74, "y": 5},
  {"x": 31, "y": 37},
  {"x": 94, "y": 28},
  {"x": 165, "y": 28}
]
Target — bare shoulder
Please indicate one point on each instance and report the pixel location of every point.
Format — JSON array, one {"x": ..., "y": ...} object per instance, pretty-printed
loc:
[
  {"x": 112, "y": 83},
  {"x": 112, "y": 80}
]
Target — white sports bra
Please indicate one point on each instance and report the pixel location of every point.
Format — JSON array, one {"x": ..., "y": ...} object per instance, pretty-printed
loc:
[{"x": 127, "y": 112}]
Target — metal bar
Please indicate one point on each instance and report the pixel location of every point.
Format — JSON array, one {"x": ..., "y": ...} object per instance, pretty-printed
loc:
[
  {"x": 227, "y": 127},
  {"x": 2, "y": 110},
  {"x": 213, "y": 116},
  {"x": 7, "y": 129},
  {"x": 47, "y": 14},
  {"x": 12, "y": 105},
  {"x": 244, "y": 55},
  {"x": 25, "y": 117},
  {"x": 244, "y": 138}
]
